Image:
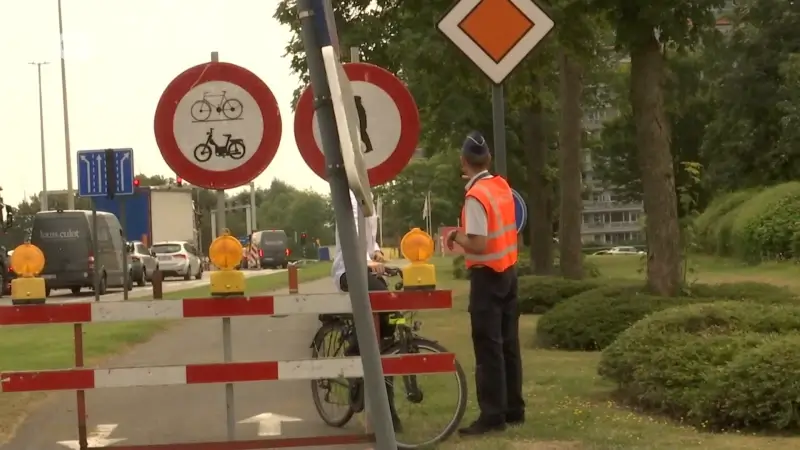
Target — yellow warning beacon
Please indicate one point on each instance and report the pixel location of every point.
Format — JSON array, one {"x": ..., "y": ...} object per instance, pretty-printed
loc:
[
  {"x": 28, "y": 289},
  {"x": 417, "y": 247},
  {"x": 225, "y": 252}
]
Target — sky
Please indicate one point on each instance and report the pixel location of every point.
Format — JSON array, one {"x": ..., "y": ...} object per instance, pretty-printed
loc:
[{"x": 120, "y": 55}]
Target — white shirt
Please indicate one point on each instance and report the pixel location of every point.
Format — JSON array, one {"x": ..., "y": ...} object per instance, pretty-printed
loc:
[
  {"x": 370, "y": 242},
  {"x": 476, "y": 222}
]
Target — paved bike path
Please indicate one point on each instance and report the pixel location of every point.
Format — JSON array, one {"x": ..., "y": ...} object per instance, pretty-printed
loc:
[{"x": 194, "y": 413}]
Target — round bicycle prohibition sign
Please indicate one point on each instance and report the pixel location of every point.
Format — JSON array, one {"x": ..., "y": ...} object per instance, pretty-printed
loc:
[
  {"x": 218, "y": 125},
  {"x": 388, "y": 123}
]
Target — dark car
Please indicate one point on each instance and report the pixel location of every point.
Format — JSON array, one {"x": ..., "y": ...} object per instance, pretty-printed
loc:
[
  {"x": 272, "y": 247},
  {"x": 7, "y": 274},
  {"x": 65, "y": 238}
]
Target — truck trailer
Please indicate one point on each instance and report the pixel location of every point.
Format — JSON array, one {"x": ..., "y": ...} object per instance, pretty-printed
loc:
[{"x": 155, "y": 214}]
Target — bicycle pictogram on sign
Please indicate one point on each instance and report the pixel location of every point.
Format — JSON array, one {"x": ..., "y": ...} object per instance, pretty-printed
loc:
[{"x": 225, "y": 108}]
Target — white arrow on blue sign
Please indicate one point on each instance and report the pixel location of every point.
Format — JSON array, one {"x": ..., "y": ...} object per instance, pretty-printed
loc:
[
  {"x": 520, "y": 210},
  {"x": 92, "y": 172}
]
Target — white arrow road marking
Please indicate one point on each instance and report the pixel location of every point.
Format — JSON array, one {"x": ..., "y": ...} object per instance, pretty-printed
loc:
[
  {"x": 121, "y": 172},
  {"x": 97, "y": 438},
  {"x": 269, "y": 424},
  {"x": 102, "y": 175}
]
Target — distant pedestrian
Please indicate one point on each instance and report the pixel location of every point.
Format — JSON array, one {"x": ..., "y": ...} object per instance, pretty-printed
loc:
[{"x": 489, "y": 240}]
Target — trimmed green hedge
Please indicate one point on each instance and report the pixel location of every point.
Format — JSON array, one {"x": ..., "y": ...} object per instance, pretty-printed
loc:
[
  {"x": 765, "y": 224},
  {"x": 707, "y": 224},
  {"x": 592, "y": 320},
  {"x": 711, "y": 364},
  {"x": 538, "y": 294}
]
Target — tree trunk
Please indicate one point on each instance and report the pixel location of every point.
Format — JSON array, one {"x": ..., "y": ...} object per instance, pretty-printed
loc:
[
  {"x": 655, "y": 163},
  {"x": 541, "y": 225},
  {"x": 569, "y": 168}
]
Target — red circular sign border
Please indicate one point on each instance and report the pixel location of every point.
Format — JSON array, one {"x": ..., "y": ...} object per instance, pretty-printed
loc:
[
  {"x": 409, "y": 124},
  {"x": 165, "y": 134}
]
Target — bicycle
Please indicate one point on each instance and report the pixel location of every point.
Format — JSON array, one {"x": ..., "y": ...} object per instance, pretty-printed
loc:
[
  {"x": 339, "y": 329},
  {"x": 230, "y": 108},
  {"x": 233, "y": 147}
]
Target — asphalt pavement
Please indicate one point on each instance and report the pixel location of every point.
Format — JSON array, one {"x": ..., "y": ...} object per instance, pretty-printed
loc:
[
  {"x": 178, "y": 414},
  {"x": 115, "y": 294}
]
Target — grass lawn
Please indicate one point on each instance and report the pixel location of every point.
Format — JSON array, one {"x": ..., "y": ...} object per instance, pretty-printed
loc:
[
  {"x": 569, "y": 406},
  {"x": 39, "y": 347}
]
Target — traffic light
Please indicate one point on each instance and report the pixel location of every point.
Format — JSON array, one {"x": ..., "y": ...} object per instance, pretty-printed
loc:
[
  {"x": 136, "y": 182},
  {"x": 179, "y": 181},
  {"x": 303, "y": 237}
]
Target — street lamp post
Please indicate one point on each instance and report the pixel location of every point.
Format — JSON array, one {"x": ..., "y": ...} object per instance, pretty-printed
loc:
[
  {"x": 70, "y": 190},
  {"x": 43, "y": 199}
]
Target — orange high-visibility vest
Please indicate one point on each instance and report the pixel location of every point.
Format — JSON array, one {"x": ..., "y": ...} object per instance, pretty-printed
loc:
[{"x": 501, "y": 247}]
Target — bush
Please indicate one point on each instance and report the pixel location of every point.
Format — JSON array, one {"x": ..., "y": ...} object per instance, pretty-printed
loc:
[
  {"x": 722, "y": 233},
  {"x": 705, "y": 225},
  {"x": 758, "y": 389},
  {"x": 592, "y": 321},
  {"x": 665, "y": 362},
  {"x": 765, "y": 224},
  {"x": 537, "y": 294},
  {"x": 524, "y": 267}
]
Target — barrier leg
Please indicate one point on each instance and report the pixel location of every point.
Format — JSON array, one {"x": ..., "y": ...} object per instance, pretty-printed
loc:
[
  {"x": 227, "y": 349},
  {"x": 80, "y": 395},
  {"x": 157, "y": 281},
  {"x": 294, "y": 284}
]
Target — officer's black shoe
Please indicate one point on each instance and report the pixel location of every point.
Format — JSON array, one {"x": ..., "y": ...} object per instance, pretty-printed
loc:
[
  {"x": 515, "y": 418},
  {"x": 480, "y": 427}
]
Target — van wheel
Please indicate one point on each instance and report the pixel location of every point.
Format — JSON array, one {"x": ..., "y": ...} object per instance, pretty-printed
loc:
[
  {"x": 76, "y": 290},
  {"x": 101, "y": 290},
  {"x": 143, "y": 280}
]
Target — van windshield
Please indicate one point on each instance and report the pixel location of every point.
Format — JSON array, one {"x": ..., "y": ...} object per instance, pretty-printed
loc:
[{"x": 166, "y": 248}]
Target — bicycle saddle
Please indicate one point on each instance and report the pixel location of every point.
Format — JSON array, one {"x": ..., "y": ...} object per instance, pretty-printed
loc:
[{"x": 227, "y": 135}]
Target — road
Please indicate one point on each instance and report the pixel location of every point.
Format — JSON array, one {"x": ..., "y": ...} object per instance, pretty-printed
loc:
[
  {"x": 115, "y": 294},
  {"x": 175, "y": 414}
]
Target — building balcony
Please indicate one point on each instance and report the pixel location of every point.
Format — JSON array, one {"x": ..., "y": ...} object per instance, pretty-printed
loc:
[
  {"x": 590, "y": 206},
  {"x": 610, "y": 227}
]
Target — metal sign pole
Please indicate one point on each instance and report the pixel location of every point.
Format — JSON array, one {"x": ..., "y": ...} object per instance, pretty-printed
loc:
[
  {"x": 227, "y": 344},
  {"x": 311, "y": 14},
  {"x": 499, "y": 122},
  {"x": 95, "y": 268},
  {"x": 125, "y": 274}
]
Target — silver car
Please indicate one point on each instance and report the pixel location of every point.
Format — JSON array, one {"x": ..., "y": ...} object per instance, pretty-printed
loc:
[
  {"x": 178, "y": 259},
  {"x": 141, "y": 257}
]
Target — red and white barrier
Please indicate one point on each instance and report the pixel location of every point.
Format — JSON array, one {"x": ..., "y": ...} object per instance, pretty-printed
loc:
[
  {"x": 194, "y": 308},
  {"x": 236, "y": 372},
  {"x": 81, "y": 378}
]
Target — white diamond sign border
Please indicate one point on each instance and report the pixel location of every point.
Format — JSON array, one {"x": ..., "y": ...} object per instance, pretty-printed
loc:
[{"x": 497, "y": 72}]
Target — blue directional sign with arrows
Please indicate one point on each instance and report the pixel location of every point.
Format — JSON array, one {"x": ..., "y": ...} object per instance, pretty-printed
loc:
[
  {"x": 520, "y": 210},
  {"x": 92, "y": 172}
]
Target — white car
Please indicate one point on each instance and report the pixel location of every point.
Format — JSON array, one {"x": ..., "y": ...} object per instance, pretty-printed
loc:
[
  {"x": 625, "y": 251},
  {"x": 178, "y": 259}
]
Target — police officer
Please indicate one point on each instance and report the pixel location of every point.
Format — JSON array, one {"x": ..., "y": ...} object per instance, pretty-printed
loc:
[{"x": 489, "y": 240}]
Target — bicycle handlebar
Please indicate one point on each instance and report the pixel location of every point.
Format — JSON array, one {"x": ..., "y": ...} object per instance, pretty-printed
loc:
[{"x": 391, "y": 271}]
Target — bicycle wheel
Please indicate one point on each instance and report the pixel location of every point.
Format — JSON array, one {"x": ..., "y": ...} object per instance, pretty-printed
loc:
[
  {"x": 232, "y": 109},
  {"x": 201, "y": 110},
  {"x": 329, "y": 342},
  {"x": 236, "y": 149},
  {"x": 420, "y": 424},
  {"x": 202, "y": 153}
]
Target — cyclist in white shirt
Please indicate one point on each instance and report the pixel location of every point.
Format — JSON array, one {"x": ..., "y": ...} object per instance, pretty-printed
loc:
[{"x": 375, "y": 265}]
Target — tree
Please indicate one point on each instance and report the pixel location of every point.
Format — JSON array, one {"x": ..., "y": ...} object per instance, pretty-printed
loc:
[
  {"x": 752, "y": 139},
  {"x": 454, "y": 97},
  {"x": 645, "y": 29}
]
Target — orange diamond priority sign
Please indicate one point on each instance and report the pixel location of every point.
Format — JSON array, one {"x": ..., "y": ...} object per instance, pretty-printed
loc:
[{"x": 496, "y": 34}]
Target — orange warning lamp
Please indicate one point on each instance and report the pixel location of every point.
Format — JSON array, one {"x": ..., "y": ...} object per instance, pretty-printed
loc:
[
  {"x": 27, "y": 261},
  {"x": 417, "y": 247},
  {"x": 225, "y": 253}
]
